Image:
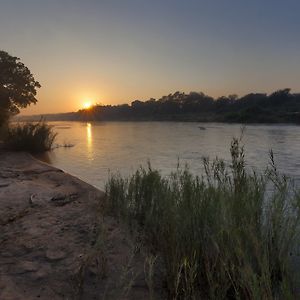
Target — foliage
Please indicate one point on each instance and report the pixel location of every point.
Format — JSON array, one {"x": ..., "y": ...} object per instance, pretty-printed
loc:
[
  {"x": 31, "y": 137},
  {"x": 225, "y": 235},
  {"x": 280, "y": 106},
  {"x": 17, "y": 86}
]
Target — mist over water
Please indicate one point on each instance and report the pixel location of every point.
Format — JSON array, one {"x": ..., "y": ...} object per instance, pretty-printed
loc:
[{"x": 104, "y": 147}]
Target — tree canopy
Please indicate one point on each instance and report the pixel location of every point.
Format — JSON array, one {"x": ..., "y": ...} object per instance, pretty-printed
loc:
[
  {"x": 18, "y": 87},
  {"x": 280, "y": 106}
]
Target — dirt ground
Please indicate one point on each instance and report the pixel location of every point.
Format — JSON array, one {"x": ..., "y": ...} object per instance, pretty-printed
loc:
[{"x": 55, "y": 242}]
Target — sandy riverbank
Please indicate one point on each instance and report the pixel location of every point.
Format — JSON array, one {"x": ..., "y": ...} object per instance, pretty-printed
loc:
[{"x": 54, "y": 241}]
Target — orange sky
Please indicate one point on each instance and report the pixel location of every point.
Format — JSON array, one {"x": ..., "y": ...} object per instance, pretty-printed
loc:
[{"x": 114, "y": 52}]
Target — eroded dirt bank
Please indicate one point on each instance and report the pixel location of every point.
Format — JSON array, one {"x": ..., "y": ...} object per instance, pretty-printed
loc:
[{"x": 55, "y": 242}]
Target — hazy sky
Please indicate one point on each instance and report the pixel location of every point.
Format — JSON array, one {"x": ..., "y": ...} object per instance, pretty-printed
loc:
[{"x": 116, "y": 51}]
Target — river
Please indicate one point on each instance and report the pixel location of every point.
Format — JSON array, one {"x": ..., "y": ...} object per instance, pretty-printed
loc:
[{"x": 101, "y": 148}]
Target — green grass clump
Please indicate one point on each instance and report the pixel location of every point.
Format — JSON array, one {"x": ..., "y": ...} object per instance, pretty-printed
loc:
[
  {"x": 31, "y": 137},
  {"x": 227, "y": 234}
]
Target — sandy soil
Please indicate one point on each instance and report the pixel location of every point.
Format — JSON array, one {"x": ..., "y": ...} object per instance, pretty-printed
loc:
[{"x": 56, "y": 244}]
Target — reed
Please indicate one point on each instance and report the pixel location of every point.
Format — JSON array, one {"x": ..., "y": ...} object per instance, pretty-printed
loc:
[
  {"x": 31, "y": 137},
  {"x": 227, "y": 234}
]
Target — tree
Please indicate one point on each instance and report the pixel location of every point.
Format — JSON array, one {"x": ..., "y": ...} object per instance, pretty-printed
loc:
[
  {"x": 280, "y": 97},
  {"x": 18, "y": 87}
]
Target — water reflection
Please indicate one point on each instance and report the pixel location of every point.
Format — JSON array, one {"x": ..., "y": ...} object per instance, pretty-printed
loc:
[
  {"x": 102, "y": 147},
  {"x": 89, "y": 141}
]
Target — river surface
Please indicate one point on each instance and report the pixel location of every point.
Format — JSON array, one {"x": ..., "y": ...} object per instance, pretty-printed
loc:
[{"x": 101, "y": 148}]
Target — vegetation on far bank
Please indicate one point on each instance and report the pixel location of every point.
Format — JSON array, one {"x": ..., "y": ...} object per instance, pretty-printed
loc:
[
  {"x": 227, "y": 234},
  {"x": 281, "y": 106}
]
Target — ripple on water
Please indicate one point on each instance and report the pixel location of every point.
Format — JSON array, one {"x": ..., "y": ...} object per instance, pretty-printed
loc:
[{"x": 101, "y": 148}]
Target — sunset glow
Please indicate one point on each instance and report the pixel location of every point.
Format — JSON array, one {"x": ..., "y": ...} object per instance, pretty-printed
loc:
[
  {"x": 87, "y": 105},
  {"x": 117, "y": 53}
]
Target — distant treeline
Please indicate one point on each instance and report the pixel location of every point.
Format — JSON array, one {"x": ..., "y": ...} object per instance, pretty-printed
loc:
[{"x": 279, "y": 107}]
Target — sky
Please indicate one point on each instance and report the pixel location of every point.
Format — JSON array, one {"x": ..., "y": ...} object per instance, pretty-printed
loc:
[{"x": 117, "y": 51}]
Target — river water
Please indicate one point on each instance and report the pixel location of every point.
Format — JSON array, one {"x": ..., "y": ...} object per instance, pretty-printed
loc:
[{"x": 101, "y": 148}]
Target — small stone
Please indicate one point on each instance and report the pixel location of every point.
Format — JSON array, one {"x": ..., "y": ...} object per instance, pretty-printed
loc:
[
  {"x": 43, "y": 272},
  {"x": 28, "y": 246},
  {"x": 27, "y": 266},
  {"x": 40, "y": 275},
  {"x": 55, "y": 254}
]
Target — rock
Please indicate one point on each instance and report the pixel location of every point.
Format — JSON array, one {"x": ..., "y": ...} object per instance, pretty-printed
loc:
[
  {"x": 53, "y": 255},
  {"x": 28, "y": 246},
  {"x": 43, "y": 272},
  {"x": 43, "y": 247},
  {"x": 61, "y": 200},
  {"x": 27, "y": 266}
]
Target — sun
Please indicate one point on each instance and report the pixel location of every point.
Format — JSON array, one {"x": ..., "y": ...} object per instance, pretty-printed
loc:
[{"x": 87, "y": 105}]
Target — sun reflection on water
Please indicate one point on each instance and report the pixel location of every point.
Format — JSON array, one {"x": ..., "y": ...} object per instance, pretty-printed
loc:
[{"x": 89, "y": 140}]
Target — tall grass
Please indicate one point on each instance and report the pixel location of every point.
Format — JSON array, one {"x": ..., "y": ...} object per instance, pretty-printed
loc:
[
  {"x": 227, "y": 234},
  {"x": 31, "y": 137}
]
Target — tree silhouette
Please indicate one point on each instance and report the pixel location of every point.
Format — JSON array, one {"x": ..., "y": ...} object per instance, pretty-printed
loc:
[
  {"x": 280, "y": 106},
  {"x": 18, "y": 87}
]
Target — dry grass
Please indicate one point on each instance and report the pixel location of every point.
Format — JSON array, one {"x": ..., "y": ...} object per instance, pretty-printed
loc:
[
  {"x": 227, "y": 234},
  {"x": 31, "y": 137}
]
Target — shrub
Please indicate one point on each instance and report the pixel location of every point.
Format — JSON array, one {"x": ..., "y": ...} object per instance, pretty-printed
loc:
[
  {"x": 227, "y": 234},
  {"x": 31, "y": 137}
]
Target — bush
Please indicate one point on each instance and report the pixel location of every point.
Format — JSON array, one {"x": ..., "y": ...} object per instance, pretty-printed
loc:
[
  {"x": 227, "y": 234},
  {"x": 31, "y": 137}
]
